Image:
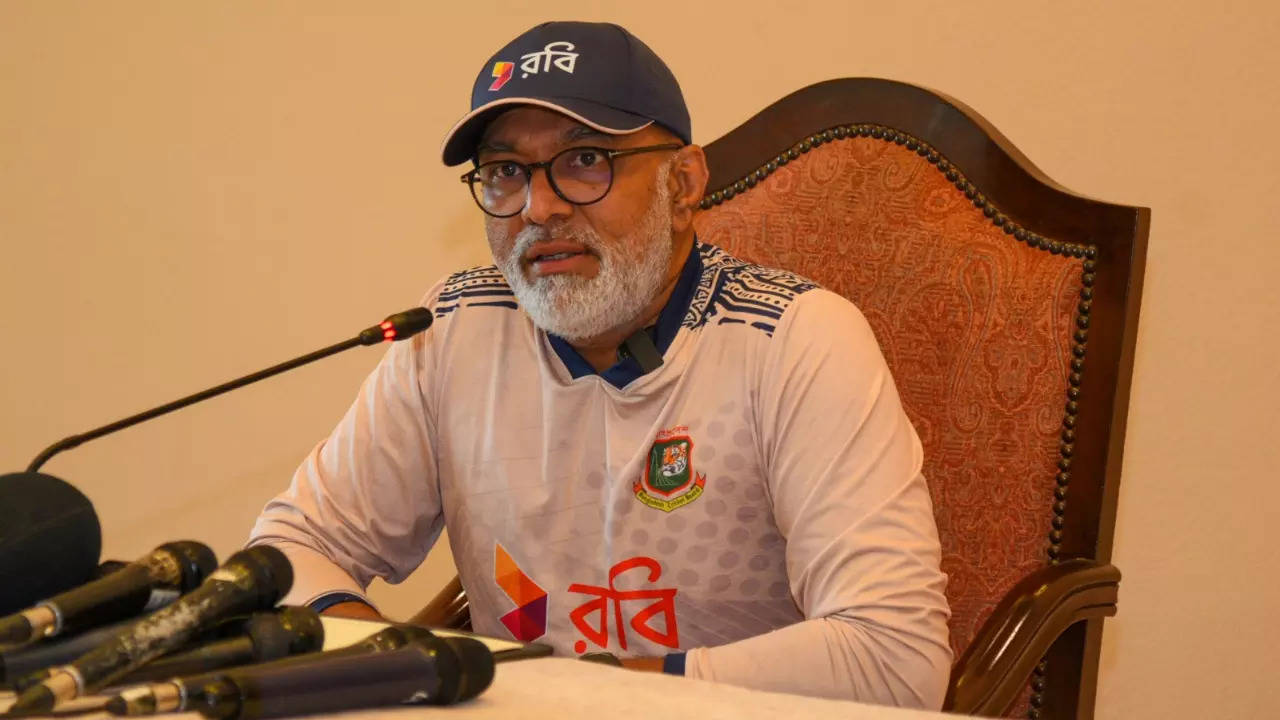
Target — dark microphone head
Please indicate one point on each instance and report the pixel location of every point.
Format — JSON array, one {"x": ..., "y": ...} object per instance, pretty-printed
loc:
[
  {"x": 401, "y": 326},
  {"x": 50, "y": 539},
  {"x": 290, "y": 631},
  {"x": 394, "y": 637},
  {"x": 269, "y": 572},
  {"x": 409, "y": 322},
  {"x": 475, "y": 669},
  {"x": 195, "y": 561},
  {"x": 464, "y": 667}
]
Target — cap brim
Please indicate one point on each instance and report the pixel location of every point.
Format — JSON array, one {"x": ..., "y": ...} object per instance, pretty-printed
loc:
[{"x": 460, "y": 144}]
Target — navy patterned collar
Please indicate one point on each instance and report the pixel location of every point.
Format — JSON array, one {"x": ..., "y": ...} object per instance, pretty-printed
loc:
[{"x": 662, "y": 333}]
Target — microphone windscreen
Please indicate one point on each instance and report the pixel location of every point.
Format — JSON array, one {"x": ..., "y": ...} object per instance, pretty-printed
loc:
[{"x": 50, "y": 539}]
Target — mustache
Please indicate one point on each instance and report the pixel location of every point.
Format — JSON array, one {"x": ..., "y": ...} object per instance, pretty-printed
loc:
[{"x": 532, "y": 234}]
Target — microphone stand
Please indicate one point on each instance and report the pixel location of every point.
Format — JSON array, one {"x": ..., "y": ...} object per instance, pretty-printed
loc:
[{"x": 396, "y": 327}]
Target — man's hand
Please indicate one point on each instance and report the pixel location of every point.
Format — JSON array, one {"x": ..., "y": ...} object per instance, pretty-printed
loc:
[
  {"x": 647, "y": 664},
  {"x": 353, "y": 609}
]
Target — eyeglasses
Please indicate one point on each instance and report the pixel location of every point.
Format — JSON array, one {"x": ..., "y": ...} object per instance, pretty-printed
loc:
[{"x": 578, "y": 175}]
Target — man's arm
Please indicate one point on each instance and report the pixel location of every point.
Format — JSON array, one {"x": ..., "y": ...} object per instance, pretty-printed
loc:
[
  {"x": 353, "y": 609},
  {"x": 862, "y": 552},
  {"x": 364, "y": 503}
]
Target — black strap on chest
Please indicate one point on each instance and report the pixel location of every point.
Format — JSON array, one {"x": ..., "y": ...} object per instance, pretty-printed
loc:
[{"x": 640, "y": 346}]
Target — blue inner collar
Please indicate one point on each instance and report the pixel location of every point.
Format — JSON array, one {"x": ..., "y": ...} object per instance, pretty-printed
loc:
[{"x": 663, "y": 332}]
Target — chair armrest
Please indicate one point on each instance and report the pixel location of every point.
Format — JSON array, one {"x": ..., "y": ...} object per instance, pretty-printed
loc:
[
  {"x": 994, "y": 668},
  {"x": 448, "y": 609}
]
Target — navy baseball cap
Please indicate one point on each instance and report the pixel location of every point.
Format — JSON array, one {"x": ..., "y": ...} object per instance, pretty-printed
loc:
[{"x": 596, "y": 73}]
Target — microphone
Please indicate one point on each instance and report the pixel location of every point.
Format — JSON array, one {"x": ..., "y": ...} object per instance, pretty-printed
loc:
[
  {"x": 30, "y": 661},
  {"x": 252, "y": 579},
  {"x": 106, "y": 567},
  {"x": 180, "y": 694},
  {"x": 50, "y": 539},
  {"x": 267, "y": 636},
  {"x": 261, "y": 637},
  {"x": 179, "y": 566},
  {"x": 436, "y": 671},
  {"x": 399, "y": 326}
]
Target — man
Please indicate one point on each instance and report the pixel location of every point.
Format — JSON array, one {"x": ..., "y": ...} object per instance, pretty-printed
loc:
[{"x": 639, "y": 444}]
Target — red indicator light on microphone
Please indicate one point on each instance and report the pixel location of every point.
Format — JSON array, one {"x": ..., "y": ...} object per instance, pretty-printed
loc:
[
  {"x": 385, "y": 325},
  {"x": 389, "y": 334}
]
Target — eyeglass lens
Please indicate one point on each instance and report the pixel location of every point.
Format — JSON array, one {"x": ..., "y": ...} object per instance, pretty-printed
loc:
[{"x": 581, "y": 175}]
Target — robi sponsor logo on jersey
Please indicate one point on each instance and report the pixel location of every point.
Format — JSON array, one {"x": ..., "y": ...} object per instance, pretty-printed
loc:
[
  {"x": 669, "y": 480},
  {"x": 655, "y": 621},
  {"x": 591, "y": 618}
]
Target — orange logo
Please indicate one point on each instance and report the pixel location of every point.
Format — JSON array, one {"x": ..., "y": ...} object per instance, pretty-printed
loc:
[
  {"x": 528, "y": 621},
  {"x": 502, "y": 71}
]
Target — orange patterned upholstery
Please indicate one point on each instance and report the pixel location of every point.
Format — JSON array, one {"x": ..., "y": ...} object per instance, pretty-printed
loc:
[{"x": 976, "y": 327}]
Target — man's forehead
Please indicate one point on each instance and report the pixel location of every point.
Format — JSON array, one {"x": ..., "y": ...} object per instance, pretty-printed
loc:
[{"x": 531, "y": 123}]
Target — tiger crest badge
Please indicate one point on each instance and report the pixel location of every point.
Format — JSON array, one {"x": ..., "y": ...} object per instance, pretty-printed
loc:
[{"x": 669, "y": 480}]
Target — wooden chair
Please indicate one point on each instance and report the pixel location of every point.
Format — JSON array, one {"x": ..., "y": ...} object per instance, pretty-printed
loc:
[{"x": 1007, "y": 309}]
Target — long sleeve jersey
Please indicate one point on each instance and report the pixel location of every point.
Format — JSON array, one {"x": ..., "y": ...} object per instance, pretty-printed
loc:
[{"x": 754, "y": 502}]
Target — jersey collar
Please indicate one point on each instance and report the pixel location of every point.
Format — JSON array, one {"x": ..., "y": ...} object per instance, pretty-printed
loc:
[{"x": 662, "y": 333}]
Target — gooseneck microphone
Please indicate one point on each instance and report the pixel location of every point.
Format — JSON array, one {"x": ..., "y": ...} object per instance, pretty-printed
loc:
[
  {"x": 51, "y": 538},
  {"x": 176, "y": 566},
  {"x": 180, "y": 694},
  {"x": 436, "y": 671},
  {"x": 252, "y": 579},
  {"x": 399, "y": 326}
]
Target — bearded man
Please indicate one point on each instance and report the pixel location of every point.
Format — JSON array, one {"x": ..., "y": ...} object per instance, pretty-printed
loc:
[{"x": 639, "y": 444}]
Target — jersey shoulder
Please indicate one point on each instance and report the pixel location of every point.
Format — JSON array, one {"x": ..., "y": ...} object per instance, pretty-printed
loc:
[
  {"x": 477, "y": 287},
  {"x": 736, "y": 292}
]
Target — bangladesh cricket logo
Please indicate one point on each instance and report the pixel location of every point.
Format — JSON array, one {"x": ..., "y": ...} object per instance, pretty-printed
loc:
[{"x": 669, "y": 480}]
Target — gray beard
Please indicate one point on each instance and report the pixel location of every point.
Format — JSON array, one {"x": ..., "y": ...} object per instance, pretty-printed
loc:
[{"x": 632, "y": 272}]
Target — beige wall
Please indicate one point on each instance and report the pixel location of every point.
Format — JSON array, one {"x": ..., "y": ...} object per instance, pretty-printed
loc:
[{"x": 189, "y": 191}]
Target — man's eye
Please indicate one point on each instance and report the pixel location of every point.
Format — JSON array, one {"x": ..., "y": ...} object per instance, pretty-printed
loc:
[
  {"x": 500, "y": 172},
  {"x": 587, "y": 158}
]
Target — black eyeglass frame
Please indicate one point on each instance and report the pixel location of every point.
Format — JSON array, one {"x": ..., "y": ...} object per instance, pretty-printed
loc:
[{"x": 472, "y": 176}]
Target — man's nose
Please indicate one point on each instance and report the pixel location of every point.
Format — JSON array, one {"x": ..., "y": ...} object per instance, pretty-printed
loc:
[{"x": 542, "y": 203}]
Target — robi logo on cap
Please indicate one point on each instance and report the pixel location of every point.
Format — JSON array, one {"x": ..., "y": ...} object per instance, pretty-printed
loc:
[
  {"x": 502, "y": 72},
  {"x": 559, "y": 55}
]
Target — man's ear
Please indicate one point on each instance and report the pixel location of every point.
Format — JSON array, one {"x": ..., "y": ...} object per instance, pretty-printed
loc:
[{"x": 687, "y": 183}]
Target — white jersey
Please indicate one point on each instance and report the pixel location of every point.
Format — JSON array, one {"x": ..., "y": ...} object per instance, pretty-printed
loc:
[{"x": 756, "y": 500}]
